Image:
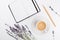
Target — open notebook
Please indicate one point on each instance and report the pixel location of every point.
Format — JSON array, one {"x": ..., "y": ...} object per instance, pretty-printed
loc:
[{"x": 23, "y": 9}]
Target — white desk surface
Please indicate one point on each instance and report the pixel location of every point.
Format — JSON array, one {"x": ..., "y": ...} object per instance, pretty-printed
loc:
[{"x": 6, "y": 17}]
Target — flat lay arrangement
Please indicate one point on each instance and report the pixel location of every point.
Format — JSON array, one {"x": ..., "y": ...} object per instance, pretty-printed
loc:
[{"x": 31, "y": 20}]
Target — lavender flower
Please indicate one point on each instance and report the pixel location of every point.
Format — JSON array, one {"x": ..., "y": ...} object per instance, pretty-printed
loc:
[{"x": 19, "y": 31}]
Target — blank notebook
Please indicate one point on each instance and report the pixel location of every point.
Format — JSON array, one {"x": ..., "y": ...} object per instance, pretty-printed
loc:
[{"x": 22, "y": 9}]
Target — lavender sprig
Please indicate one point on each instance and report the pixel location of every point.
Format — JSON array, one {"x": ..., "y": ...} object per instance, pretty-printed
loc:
[{"x": 19, "y": 31}]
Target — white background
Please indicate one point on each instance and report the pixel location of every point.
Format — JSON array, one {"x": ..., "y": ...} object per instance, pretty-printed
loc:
[{"x": 6, "y": 17}]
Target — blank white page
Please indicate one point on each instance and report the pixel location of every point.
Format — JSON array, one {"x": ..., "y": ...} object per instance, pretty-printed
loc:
[{"x": 22, "y": 9}]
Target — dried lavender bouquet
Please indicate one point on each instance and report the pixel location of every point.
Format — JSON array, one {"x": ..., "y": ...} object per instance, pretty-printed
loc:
[{"x": 20, "y": 32}]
